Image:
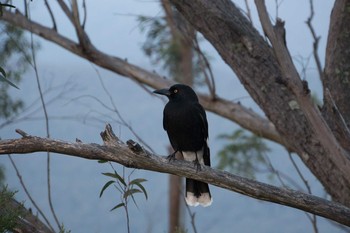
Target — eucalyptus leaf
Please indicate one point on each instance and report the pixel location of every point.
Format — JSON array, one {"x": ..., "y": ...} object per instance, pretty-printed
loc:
[
  {"x": 4, "y": 79},
  {"x": 117, "y": 206},
  {"x": 115, "y": 175},
  {"x": 131, "y": 192},
  {"x": 106, "y": 186}
]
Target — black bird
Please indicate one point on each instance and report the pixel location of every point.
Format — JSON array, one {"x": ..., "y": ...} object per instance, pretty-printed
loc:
[{"x": 187, "y": 127}]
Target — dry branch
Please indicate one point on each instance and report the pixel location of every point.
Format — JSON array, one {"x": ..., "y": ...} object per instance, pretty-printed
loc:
[
  {"x": 133, "y": 155},
  {"x": 243, "y": 116}
]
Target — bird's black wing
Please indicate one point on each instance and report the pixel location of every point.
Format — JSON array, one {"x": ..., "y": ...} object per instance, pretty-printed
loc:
[{"x": 204, "y": 121}]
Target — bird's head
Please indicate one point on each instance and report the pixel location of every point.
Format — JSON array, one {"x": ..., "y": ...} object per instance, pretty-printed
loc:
[{"x": 178, "y": 92}]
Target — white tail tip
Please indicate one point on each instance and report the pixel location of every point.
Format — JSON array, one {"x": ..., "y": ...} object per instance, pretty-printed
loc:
[{"x": 204, "y": 199}]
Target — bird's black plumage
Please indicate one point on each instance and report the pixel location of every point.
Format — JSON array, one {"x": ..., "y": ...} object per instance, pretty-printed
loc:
[{"x": 186, "y": 124}]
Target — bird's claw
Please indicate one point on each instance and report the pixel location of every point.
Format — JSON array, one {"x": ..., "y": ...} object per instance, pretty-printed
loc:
[
  {"x": 197, "y": 165},
  {"x": 171, "y": 157}
]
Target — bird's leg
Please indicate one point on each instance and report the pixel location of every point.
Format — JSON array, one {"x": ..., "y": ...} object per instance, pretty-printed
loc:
[
  {"x": 197, "y": 163},
  {"x": 171, "y": 156}
]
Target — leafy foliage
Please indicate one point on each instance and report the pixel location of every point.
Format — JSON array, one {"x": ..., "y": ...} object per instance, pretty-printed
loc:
[
  {"x": 159, "y": 45},
  {"x": 4, "y": 79},
  {"x": 14, "y": 58},
  {"x": 244, "y": 153},
  {"x": 164, "y": 49},
  {"x": 8, "y": 214},
  {"x": 126, "y": 188}
]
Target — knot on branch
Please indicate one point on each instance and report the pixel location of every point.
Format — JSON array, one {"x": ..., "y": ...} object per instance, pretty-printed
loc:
[
  {"x": 22, "y": 133},
  {"x": 280, "y": 31},
  {"x": 109, "y": 137},
  {"x": 136, "y": 148}
]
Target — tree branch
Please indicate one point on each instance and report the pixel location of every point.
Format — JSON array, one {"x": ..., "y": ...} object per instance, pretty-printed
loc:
[
  {"x": 269, "y": 81},
  {"x": 133, "y": 155},
  {"x": 245, "y": 117}
]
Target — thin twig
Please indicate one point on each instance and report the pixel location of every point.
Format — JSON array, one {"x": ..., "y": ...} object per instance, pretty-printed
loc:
[
  {"x": 273, "y": 170},
  {"x": 85, "y": 14},
  {"x": 54, "y": 25},
  {"x": 338, "y": 111},
  {"x": 316, "y": 40},
  {"x": 115, "y": 110},
  {"x": 205, "y": 67},
  {"x": 313, "y": 217},
  {"x": 192, "y": 216},
  {"x": 66, "y": 10},
  {"x": 248, "y": 11},
  {"x": 47, "y": 126}
]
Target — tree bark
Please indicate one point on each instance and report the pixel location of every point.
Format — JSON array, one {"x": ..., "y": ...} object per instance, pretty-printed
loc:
[
  {"x": 336, "y": 78},
  {"x": 269, "y": 76},
  {"x": 241, "y": 115},
  {"x": 133, "y": 155}
]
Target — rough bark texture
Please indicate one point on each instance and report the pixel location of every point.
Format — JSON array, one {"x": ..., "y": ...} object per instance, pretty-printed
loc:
[
  {"x": 336, "y": 82},
  {"x": 133, "y": 155},
  {"x": 268, "y": 79}
]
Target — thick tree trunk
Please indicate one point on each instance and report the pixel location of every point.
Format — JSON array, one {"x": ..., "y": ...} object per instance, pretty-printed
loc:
[
  {"x": 336, "y": 78},
  {"x": 268, "y": 80}
]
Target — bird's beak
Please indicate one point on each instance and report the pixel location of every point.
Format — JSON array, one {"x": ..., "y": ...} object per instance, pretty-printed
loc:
[{"x": 162, "y": 92}]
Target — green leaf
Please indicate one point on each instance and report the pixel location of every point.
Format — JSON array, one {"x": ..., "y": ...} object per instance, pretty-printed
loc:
[
  {"x": 2, "y": 71},
  {"x": 116, "y": 176},
  {"x": 143, "y": 189},
  {"x": 130, "y": 192},
  {"x": 138, "y": 183},
  {"x": 106, "y": 186},
  {"x": 102, "y": 161},
  {"x": 118, "y": 206},
  {"x": 4, "y": 79},
  {"x": 5, "y": 4},
  {"x": 138, "y": 180}
]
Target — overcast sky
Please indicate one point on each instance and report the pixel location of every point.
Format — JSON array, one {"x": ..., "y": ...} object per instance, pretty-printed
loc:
[{"x": 76, "y": 183}]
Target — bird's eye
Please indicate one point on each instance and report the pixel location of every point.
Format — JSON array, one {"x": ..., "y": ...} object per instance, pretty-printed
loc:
[{"x": 175, "y": 91}]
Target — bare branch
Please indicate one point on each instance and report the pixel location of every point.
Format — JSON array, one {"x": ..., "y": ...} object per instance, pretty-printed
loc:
[
  {"x": 316, "y": 40},
  {"x": 66, "y": 10},
  {"x": 132, "y": 155},
  {"x": 246, "y": 118},
  {"x": 249, "y": 15},
  {"x": 82, "y": 36},
  {"x": 54, "y": 25}
]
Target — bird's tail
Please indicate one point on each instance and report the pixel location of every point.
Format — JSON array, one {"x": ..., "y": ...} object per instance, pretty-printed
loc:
[{"x": 197, "y": 192}]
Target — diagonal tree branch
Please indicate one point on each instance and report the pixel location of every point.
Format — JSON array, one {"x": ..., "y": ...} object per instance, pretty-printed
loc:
[
  {"x": 235, "y": 112},
  {"x": 314, "y": 117},
  {"x": 133, "y": 155}
]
